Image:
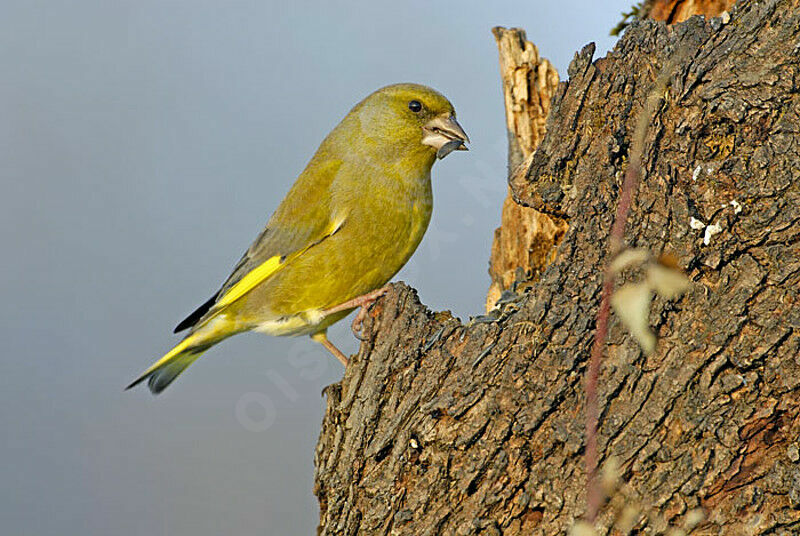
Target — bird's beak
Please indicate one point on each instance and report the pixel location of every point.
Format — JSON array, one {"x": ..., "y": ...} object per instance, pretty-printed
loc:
[{"x": 444, "y": 134}]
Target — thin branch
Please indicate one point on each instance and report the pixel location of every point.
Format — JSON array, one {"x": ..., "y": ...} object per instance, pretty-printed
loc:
[{"x": 594, "y": 491}]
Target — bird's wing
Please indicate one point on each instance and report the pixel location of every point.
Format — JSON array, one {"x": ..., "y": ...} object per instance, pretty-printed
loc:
[{"x": 303, "y": 220}]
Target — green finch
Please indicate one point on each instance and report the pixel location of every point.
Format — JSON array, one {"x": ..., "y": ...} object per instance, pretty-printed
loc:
[{"x": 351, "y": 220}]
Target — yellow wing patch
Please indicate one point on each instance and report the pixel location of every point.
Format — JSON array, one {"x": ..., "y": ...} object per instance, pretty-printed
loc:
[
  {"x": 249, "y": 281},
  {"x": 264, "y": 270}
]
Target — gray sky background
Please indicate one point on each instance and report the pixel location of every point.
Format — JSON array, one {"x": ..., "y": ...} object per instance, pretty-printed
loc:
[{"x": 143, "y": 145}]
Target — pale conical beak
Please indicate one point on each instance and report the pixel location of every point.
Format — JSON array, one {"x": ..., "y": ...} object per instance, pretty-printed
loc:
[{"x": 444, "y": 134}]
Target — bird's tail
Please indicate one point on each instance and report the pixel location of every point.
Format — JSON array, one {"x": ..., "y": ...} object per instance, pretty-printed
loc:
[{"x": 164, "y": 371}]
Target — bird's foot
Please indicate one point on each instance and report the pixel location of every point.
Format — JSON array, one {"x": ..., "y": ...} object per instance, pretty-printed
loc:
[
  {"x": 368, "y": 299},
  {"x": 363, "y": 301},
  {"x": 358, "y": 322}
]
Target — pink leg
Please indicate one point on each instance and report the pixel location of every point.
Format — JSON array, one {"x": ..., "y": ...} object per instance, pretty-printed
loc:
[{"x": 322, "y": 338}]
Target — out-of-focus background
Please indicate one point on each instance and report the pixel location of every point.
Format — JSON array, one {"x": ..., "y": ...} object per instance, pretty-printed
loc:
[{"x": 143, "y": 145}]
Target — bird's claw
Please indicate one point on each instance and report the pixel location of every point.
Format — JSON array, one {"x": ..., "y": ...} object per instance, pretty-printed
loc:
[{"x": 358, "y": 322}]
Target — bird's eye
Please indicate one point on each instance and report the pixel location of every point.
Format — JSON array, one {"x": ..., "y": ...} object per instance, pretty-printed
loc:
[{"x": 415, "y": 106}]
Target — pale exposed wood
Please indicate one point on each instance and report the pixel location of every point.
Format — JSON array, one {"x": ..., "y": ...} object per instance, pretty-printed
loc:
[
  {"x": 523, "y": 244},
  {"x": 529, "y": 83},
  {"x": 672, "y": 11}
]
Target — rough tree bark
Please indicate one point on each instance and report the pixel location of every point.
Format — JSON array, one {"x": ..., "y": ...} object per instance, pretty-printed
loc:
[{"x": 444, "y": 428}]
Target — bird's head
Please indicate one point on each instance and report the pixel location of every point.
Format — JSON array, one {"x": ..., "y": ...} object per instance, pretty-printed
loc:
[{"x": 411, "y": 117}]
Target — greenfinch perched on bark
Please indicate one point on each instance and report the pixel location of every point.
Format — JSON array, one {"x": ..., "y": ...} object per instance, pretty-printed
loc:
[{"x": 351, "y": 220}]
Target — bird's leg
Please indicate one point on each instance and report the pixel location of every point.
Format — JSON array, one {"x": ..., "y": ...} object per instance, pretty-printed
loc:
[
  {"x": 363, "y": 301},
  {"x": 322, "y": 338}
]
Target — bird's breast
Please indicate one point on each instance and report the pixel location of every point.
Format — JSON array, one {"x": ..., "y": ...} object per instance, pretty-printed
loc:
[{"x": 391, "y": 227}]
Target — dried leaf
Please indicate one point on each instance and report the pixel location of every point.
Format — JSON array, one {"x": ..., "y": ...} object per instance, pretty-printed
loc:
[
  {"x": 669, "y": 283},
  {"x": 668, "y": 259},
  {"x": 611, "y": 475},
  {"x": 631, "y": 302},
  {"x": 582, "y": 528},
  {"x": 694, "y": 518},
  {"x": 628, "y": 518},
  {"x": 629, "y": 257}
]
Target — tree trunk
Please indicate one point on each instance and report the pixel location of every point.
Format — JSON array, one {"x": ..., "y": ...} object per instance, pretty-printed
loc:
[{"x": 444, "y": 428}]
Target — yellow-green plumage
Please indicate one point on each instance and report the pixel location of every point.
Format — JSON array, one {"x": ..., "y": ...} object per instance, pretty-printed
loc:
[{"x": 351, "y": 220}]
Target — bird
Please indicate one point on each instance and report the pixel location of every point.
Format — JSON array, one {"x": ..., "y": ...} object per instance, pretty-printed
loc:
[{"x": 349, "y": 223}]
